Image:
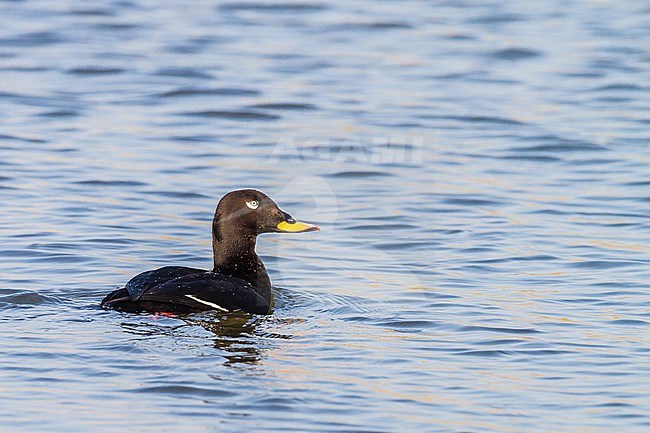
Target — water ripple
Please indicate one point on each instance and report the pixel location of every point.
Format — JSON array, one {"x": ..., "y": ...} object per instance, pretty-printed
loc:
[
  {"x": 180, "y": 390},
  {"x": 232, "y": 115},
  {"x": 190, "y": 92},
  {"x": 515, "y": 53}
]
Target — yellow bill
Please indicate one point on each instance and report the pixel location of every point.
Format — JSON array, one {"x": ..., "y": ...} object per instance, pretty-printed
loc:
[{"x": 297, "y": 227}]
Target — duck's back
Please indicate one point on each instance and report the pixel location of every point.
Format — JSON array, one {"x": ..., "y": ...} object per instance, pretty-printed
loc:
[{"x": 177, "y": 289}]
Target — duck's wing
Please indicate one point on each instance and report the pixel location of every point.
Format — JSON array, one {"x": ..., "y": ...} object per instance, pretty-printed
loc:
[
  {"x": 208, "y": 291},
  {"x": 146, "y": 280}
]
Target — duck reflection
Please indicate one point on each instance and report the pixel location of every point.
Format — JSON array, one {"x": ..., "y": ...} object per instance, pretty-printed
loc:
[
  {"x": 234, "y": 336},
  {"x": 242, "y": 337}
]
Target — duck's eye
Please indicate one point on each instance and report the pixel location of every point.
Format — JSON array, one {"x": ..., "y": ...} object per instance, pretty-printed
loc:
[{"x": 252, "y": 204}]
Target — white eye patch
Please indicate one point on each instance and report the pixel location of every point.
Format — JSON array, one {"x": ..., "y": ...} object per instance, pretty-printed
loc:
[{"x": 252, "y": 204}]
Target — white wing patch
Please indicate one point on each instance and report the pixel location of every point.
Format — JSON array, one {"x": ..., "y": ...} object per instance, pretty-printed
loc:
[{"x": 211, "y": 304}]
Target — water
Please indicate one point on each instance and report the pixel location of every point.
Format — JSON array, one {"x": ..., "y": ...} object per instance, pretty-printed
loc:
[{"x": 481, "y": 171}]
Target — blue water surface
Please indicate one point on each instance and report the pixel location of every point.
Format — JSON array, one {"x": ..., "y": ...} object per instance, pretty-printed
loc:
[{"x": 480, "y": 169}]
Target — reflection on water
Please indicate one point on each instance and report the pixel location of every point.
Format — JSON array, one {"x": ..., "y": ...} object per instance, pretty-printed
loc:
[
  {"x": 235, "y": 335},
  {"x": 480, "y": 172}
]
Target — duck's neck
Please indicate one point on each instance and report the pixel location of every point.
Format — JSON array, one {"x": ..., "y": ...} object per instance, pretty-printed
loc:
[{"x": 234, "y": 255}]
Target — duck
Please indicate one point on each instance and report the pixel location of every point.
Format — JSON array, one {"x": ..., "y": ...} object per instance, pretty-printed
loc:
[{"x": 238, "y": 280}]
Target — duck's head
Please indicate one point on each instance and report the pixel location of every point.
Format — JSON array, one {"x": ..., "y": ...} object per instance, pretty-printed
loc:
[{"x": 252, "y": 212}]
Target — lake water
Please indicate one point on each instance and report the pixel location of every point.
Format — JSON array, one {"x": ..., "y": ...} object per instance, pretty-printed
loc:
[{"x": 481, "y": 172}]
